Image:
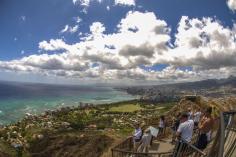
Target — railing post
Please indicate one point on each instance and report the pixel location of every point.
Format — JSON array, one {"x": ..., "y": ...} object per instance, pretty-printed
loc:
[
  {"x": 130, "y": 146},
  {"x": 222, "y": 135}
]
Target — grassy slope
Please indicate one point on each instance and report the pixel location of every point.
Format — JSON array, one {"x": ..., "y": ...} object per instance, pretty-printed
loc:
[{"x": 126, "y": 108}]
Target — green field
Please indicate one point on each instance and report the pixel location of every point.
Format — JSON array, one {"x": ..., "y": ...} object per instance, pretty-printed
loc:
[{"x": 125, "y": 108}]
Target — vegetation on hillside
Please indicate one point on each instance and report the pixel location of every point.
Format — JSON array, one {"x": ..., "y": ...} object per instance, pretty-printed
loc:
[{"x": 82, "y": 128}]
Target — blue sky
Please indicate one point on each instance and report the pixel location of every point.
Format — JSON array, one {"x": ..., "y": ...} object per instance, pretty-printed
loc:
[{"x": 25, "y": 24}]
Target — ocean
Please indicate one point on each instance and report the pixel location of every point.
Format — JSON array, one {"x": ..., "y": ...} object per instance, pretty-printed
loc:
[{"x": 17, "y": 99}]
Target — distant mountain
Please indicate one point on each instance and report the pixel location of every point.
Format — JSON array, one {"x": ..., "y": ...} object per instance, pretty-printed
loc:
[
  {"x": 204, "y": 84},
  {"x": 168, "y": 89}
]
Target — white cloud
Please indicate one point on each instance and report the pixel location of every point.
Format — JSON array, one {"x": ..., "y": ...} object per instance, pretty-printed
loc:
[
  {"x": 78, "y": 19},
  {"x": 86, "y": 3},
  {"x": 82, "y": 2},
  {"x": 69, "y": 29},
  {"x": 97, "y": 28},
  {"x": 125, "y": 2},
  {"x": 53, "y": 45},
  {"x": 65, "y": 29},
  {"x": 74, "y": 29},
  {"x": 204, "y": 45},
  {"x": 232, "y": 4}
]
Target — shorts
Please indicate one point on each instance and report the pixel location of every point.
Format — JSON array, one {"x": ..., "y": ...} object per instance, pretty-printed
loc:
[
  {"x": 202, "y": 142},
  {"x": 161, "y": 130}
]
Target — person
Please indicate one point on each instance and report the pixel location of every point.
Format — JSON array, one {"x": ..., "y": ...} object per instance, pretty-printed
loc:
[
  {"x": 184, "y": 133},
  {"x": 205, "y": 126},
  {"x": 208, "y": 137},
  {"x": 137, "y": 136},
  {"x": 145, "y": 142},
  {"x": 185, "y": 129},
  {"x": 190, "y": 113},
  {"x": 196, "y": 117},
  {"x": 162, "y": 125},
  {"x": 176, "y": 122}
]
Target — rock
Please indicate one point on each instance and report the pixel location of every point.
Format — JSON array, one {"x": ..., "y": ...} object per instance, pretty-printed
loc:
[
  {"x": 65, "y": 124},
  {"x": 27, "y": 145},
  {"x": 92, "y": 126},
  {"x": 69, "y": 129},
  {"x": 40, "y": 136},
  {"x": 34, "y": 136}
]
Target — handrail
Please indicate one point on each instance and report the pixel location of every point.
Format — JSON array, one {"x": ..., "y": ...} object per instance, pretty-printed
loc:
[
  {"x": 222, "y": 135},
  {"x": 184, "y": 148},
  {"x": 141, "y": 153},
  {"x": 224, "y": 144},
  {"x": 129, "y": 151},
  {"x": 195, "y": 148}
]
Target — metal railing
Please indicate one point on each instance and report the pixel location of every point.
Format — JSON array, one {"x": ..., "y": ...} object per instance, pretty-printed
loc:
[
  {"x": 225, "y": 142},
  {"x": 184, "y": 149},
  {"x": 125, "y": 149}
]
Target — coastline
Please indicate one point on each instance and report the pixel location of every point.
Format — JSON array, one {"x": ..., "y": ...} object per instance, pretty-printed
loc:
[
  {"x": 85, "y": 120},
  {"x": 13, "y": 109},
  {"x": 62, "y": 108},
  {"x": 109, "y": 123}
]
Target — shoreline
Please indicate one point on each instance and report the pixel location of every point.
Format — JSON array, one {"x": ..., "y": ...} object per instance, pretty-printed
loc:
[
  {"x": 16, "y": 109},
  {"x": 62, "y": 108},
  {"x": 86, "y": 122}
]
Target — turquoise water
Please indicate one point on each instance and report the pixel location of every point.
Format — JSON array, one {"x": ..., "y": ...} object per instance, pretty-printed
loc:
[{"x": 18, "y": 101}]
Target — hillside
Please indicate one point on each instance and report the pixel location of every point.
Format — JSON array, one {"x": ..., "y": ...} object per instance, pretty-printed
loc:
[{"x": 92, "y": 130}]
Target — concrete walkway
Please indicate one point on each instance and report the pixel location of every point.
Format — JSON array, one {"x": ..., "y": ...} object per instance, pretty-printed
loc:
[{"x": 162, "y": 146}]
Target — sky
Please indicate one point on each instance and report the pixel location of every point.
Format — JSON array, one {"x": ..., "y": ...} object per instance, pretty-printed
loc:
[{"x": 117, "y": 41}]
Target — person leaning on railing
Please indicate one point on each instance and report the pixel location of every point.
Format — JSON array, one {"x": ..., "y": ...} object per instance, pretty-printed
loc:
[
  {"x": 175, "y": 126},
  {"x": 184, "y": 132},
  {"x": 185, "y": 129},
  {"x": 205, "y": 126}
]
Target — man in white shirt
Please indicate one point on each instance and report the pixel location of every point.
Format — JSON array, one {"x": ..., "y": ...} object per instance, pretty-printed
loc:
[
  {"x": 137, "y": 136},
  {"x": 185, "y": 129},
  {"x": 184, "y": 132}
]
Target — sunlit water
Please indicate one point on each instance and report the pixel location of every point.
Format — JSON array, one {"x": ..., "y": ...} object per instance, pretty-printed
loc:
[{"x": 17, "y": 100}]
